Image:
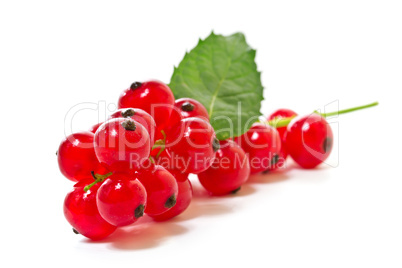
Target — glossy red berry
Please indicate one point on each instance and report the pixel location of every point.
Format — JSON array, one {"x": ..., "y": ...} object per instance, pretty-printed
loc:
[
  {"x": 308, "y": 140},
  {"x": 76, "y": 156},
  {"x": 280, "y": 114},
  {"x": 161, "y": 188},
  {"x": 183, "y": 199},
  {"x": 140, "y": 116},
  {"x": 262, "y": 144},
  {"x": 122, "y": 144},
  {"x": 277, "y": 116},
  {"x": 81, "y": 211},
  {"x": 186, "y": 108},
  {"x": 121, "y": 199},
  {"x": 192, "y": 145},
  {"x": 153, "y": 97},
  {"x": 229, "y": 171}
]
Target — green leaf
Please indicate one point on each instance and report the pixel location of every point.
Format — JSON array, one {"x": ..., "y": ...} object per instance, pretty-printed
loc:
[{"x": 220, "y": 72}]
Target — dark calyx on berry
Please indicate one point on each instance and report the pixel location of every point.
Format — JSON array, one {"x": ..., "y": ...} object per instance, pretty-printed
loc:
[
  {"x": 215, "y": 144},
  {"x": 170, "y": 202},
  {"x": 327, "y": 144},
  {"x": 275, "y": 159},
  {"x": 187, "y": 107},
  {"x": 128, "y": 113},
  {"x": 75, "y": 231},
  {"x": 129, "y": 125},
  {"x": 235, "y": 190},
  {"x": 135, "y": 85},
  {"x": 139, "y": 211}
]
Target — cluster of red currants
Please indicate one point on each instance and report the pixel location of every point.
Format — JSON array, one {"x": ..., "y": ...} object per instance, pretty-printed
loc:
[{"x": 138, "y": 161}]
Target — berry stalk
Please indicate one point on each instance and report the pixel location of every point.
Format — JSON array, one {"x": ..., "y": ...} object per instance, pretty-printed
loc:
[
  {"x": 98, "y": 178},
  {"x": 283, "y": 122},
  {"x": 345, "y": 111},
  {"x": 160, "y": 143}
]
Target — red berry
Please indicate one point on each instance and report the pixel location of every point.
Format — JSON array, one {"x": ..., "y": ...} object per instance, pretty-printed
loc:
[
  {"x": 262, "y": 144},
  {"x": 76, "y": 156},
  {"x": 139, "y": 116},
  {"x": 309, "y": 140},
  {"x": 153, "y": 97},
  {"x": 278, "y": 115},
  {"x": 94, "y": 128},
  {"x": 229, "y": 171},
  {"x": 192, "y": 145},
  {"x": 183, "y": 199},
  {"x": 161, "y": 188},
  {"x": 121, "y": 199},
  {"x": 81, "y": 211},
  {"x": 185, "y": 108},
  {"x": 122, "y": 144}
]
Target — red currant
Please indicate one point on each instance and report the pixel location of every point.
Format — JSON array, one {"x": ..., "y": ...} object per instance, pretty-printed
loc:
[
  {"x": 192, "y": 145},
  {"x": 262, "y": 144},
  {"x": 153, "y": 97},
  {"x": 183, "y": 199},
  {"x": 139, "y": 116},
  {"x": 81, "y": 211},
  {"x": 161, "y": 188},
  {"x": 308, "y": 140},
  {"x": 185, "y": 108},
  {"x": 122, "y": 144},
  {"x": 121, "y": 199},
  {"x": 277, "y": 116},
  {"x": 76, "y": 156},
  {"x": 229, "y": 171}
]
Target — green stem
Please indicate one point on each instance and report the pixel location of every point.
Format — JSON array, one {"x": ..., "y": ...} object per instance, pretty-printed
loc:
[
  {"x": 280, "y": 122},
  {"x": 98, "y": 178},
  {"x": 283, "y": 122},
  {"x": 348, "y": 110},
  {"x": 160, "y": 143},
  {"x": 151, "y": 159}
]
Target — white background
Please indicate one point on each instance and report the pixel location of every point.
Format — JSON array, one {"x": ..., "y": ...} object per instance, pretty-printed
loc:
[{"x": 56, "y": 54}]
